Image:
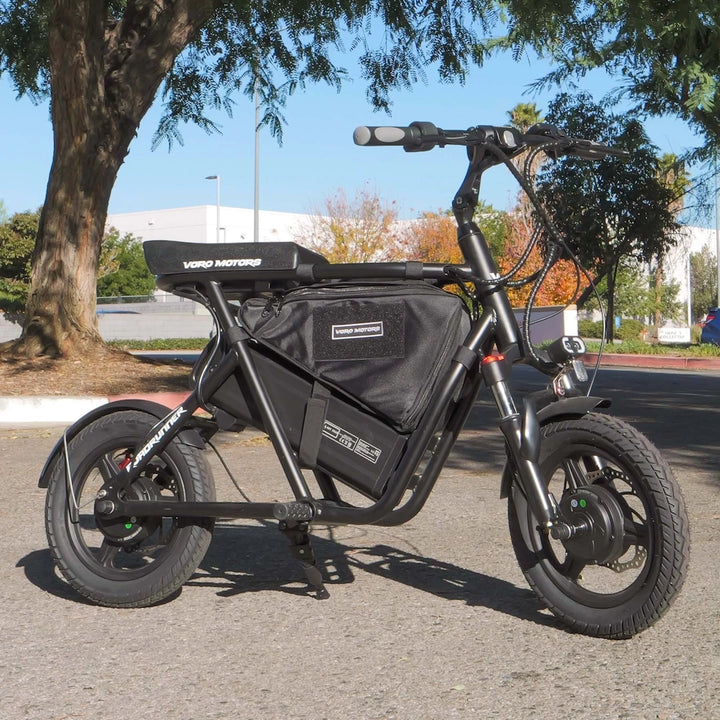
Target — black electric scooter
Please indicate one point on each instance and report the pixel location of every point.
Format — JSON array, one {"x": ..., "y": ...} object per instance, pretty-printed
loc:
[{"x": 362, "y": 375}]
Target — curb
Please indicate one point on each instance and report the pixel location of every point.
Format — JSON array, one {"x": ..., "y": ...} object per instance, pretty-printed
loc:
[
  {"x": 654, "y": 362},
  {"x": 35, "y": 411}
]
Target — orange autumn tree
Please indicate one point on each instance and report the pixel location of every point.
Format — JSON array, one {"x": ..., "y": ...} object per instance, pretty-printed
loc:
[
  {"x": 559, "y": 287},
  {"x": 433, "y": 238},
  {"x": 353, "y": 230}
]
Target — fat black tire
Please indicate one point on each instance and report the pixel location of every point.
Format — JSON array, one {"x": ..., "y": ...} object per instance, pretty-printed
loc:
[
  {"x": 158, "y": 555},
  {"x": 636, "y": 472}
]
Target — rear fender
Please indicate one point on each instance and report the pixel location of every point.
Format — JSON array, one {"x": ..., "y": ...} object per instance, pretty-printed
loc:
[
  {"x": 158, "y": 411},
  {"x": 573, "y": 407}
]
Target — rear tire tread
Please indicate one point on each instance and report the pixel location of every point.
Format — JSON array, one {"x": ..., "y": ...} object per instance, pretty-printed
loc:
[{"x": 170, "y": 578}]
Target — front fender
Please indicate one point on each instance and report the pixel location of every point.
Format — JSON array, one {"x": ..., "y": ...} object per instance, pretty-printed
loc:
[
  {"x": 188, "y": 436},
  {"x": 572, "y": 407}
]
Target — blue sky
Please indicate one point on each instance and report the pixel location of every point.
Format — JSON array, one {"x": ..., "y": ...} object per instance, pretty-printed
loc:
[{"x": 317, "y": 156}]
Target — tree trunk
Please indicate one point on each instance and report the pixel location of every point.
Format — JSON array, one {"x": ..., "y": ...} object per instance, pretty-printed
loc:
[
  {"x": 104, "y": 74},
  {"x": 658, "y": 290},
  {"x": 60, "y": 315},
  {"x": 610, "y": 318}
]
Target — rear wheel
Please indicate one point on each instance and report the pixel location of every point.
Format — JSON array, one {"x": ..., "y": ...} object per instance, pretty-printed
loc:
[
  {"x": 133, "y": 561},
  {"x": 620, "y": 575}
]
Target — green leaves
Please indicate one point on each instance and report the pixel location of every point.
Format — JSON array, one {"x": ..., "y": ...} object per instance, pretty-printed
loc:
[
  {"x": 123, "y": 270},
  {"x": 613, "y": 209},
  {"x": 24, "y": 46},
  {"x": 666, "y": 55},
  {"x": 17, "y": 240}
]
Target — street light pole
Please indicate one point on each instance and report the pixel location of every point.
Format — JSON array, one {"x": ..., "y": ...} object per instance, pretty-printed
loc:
[
  {"x": 256, "y": 205},
  {"x": 217, "y": 219},
  {"x": 717, "y": 230},
  {"x": 689, "y": 284}
]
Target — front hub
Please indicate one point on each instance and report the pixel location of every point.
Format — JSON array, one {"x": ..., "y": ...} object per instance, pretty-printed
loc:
[{"x": 597, "y": 511}]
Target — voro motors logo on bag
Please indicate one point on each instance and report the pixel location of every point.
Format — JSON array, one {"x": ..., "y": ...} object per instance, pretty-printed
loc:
[{"x": 357, "y": 330}]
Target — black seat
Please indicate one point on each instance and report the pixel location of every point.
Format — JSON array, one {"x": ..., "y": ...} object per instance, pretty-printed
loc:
[{"x": 247, "y": 260}]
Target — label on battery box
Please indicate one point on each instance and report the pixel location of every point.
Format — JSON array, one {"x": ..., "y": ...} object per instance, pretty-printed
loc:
[{"x": 351, "y": 442}]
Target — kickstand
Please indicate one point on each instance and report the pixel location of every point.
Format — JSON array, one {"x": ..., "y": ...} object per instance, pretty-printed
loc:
[{"x": 297, "y": 534}]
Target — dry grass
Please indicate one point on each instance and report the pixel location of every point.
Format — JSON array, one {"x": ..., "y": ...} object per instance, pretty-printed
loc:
[{"x": 100, "y": 371}]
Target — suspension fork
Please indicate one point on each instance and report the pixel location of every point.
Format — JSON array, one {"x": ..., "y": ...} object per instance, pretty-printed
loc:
[
  {"x": 521, "y": 434},
  {"x": 523, "y": 440}
]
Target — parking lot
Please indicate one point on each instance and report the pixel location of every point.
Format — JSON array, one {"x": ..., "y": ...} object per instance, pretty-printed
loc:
[{"x": 431, "y": 620}]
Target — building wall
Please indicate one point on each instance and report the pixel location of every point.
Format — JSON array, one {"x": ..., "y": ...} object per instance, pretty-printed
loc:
[
  {"x": 692, "y": 240},
  {"x": 199, "y": 224}
]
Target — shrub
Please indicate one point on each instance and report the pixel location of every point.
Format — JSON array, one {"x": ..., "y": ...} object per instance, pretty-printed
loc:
[
  {"x": 629, "y": 330},
  {"x": 590, "y": 328}
]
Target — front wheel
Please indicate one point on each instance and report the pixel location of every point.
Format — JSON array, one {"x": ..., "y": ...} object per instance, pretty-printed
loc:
[
  {"x": 620, "y": 575},
  {"x": 133, "y": 561}
]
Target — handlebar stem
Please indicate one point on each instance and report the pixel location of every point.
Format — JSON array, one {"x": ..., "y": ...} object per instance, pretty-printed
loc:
[{"x": 477, "y": 254}]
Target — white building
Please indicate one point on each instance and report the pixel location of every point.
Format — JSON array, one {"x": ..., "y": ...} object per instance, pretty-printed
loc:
[
  {"x": 677, "y": 261},
  {"x": 200, "y": 224}
]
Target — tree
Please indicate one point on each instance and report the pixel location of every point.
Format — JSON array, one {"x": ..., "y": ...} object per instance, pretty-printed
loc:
[
  {"x": 102, "y": 64},
  {"x": 665, "y": 55},
  {"x": 635, "y": 296},
  {"x": 524, "y": 115},
  {"x": 121, "y": 267},
  {"x": 672, "y": 174},
  {"x": 352, "y": 231},
  {"x": 611, "y": 209},
  {"x": 123, "y": 270},
  {"x": 560, "y": 285},
  {"x": 17, "y": 239},
  {"x": 433, "y": 236},
  {"x": 703, "y": 278}
]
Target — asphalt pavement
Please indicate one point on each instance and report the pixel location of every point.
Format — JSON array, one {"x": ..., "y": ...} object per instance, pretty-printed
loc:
[{"x": 430, "y": 620}]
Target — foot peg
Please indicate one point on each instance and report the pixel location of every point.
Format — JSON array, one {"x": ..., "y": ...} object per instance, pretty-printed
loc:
[{"x": 298, "y": 512}]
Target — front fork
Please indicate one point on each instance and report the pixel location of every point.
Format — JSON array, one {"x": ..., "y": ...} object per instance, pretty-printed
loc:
[{"x": 522, "y": 435}]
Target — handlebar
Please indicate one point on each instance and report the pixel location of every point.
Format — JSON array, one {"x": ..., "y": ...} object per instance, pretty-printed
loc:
[{"x": 422, "y": 136}]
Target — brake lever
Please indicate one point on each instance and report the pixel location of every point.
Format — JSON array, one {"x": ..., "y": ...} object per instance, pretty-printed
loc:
[{"x": 589, "y": 150}]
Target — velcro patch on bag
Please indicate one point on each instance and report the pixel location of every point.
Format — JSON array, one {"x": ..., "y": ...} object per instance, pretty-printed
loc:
[{"x": 359, "y": 330}]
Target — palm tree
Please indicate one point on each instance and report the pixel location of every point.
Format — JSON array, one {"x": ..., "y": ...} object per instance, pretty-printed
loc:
[
  {"x": 524, "y": 115},
  {"x": 672, "y": 173}
]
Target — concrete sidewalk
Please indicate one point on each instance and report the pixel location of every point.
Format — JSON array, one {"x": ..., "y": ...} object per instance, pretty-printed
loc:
[{"x": 24, "y": 411}]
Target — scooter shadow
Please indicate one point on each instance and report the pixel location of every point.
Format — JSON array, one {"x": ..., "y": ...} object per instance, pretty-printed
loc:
[
  {"x": 253, "y": 558},
  {"x": 256, "y": 558}
]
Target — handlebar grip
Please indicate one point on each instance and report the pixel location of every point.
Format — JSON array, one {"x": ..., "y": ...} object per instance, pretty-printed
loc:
[{"x": 386, "y": 135}]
